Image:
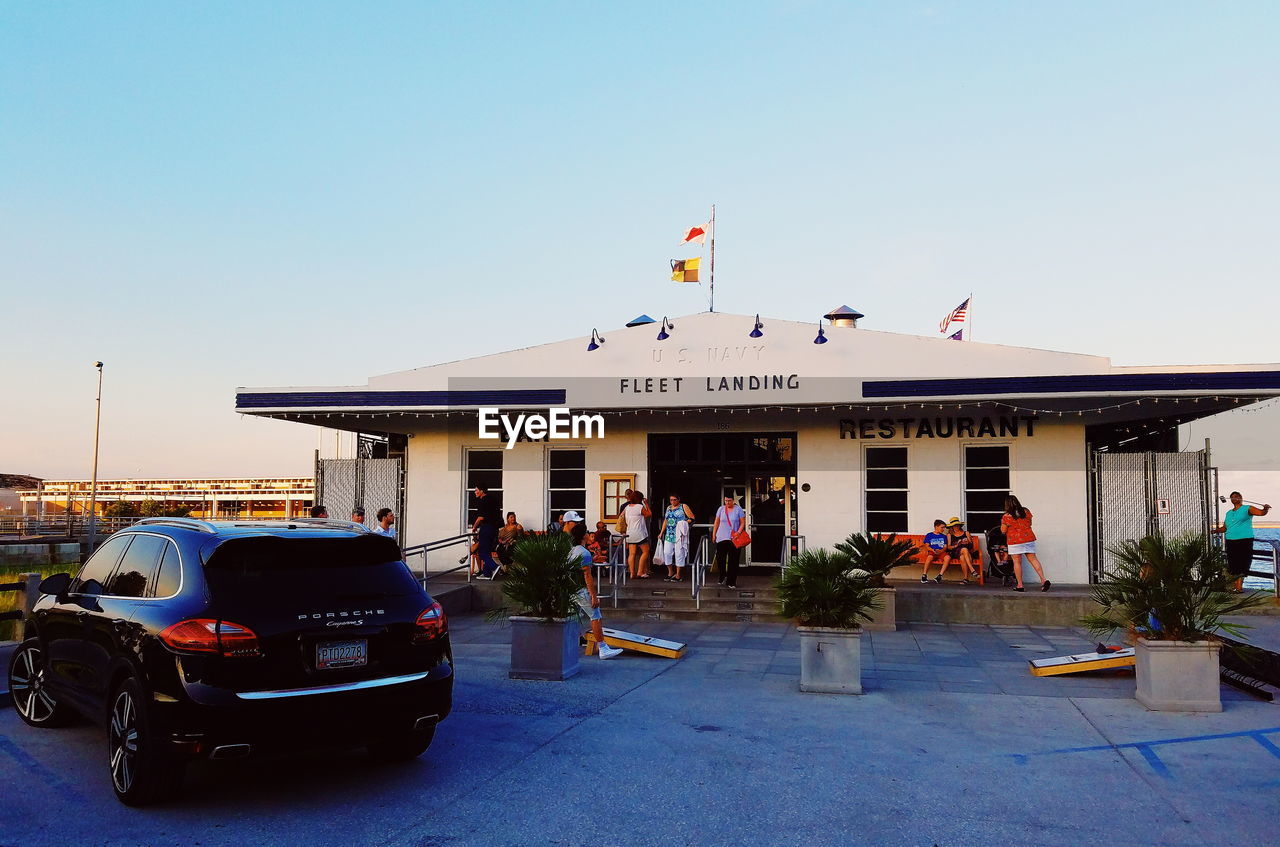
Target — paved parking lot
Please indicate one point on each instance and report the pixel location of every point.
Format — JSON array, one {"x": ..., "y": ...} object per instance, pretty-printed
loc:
[{"x": 954, "y": 744}]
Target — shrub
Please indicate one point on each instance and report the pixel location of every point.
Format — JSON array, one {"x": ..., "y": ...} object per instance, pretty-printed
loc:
[
  {"x": 1171, "y": 589},
  {"x": 541, "y": 582},
  {"x": 824, "y": 588},
  {"x": 878, "y": 554}
]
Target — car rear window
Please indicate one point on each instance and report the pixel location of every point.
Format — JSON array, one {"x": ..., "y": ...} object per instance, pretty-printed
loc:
[{"x": 271, "y": 566}]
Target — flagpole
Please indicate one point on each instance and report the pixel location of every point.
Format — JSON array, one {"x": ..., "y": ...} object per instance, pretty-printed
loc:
[
  {"x": 970, "y": 315},
  {"x": 712, "y": 305}
]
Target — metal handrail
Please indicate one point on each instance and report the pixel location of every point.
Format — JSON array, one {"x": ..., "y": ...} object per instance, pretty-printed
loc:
[
  {"x": 1261, "y": 554},
  {"x": 786, "y": 549},
  {"x": 615, "y": 562},
  {"x": 439, "y": 544},
  {"x": 698, "y": 569}
]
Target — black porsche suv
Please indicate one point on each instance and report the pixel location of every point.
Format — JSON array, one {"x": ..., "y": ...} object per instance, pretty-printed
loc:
[{"x": 189, "y": 638}]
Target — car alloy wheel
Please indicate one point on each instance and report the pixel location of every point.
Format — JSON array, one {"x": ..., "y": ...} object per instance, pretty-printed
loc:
[
  {"x": 124, "y": 742},
  {"x": 28, "y": 684},
  {"x": 142, "y": 770}
]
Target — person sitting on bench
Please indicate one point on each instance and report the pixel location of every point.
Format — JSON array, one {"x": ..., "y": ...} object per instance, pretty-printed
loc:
[
  {"x": 960, "y": 548},
  {"x": 935, "y": 550}
]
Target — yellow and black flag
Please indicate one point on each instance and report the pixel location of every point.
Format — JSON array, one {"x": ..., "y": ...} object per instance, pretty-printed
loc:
[{"x": 685, "y": 270}]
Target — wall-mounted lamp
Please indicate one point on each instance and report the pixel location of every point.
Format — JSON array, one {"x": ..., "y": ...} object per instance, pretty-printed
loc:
[
  {"x": 822, "y": 336},
  {"x": 663, "y": 335},
  {"x": 756, "y": 333},
  {"x": 596, "y": 340}
]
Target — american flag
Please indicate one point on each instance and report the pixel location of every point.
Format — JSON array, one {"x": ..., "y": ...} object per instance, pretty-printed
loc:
[{"x": 957, "y": 315}]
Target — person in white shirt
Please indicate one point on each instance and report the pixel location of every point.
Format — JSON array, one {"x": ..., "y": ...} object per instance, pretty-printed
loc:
[{"x": 639, "y": 549}]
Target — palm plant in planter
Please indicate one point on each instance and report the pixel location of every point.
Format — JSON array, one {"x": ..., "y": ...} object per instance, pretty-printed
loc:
[
  {"x": 829, "y": 597},
  {"x": 540, "y": 586},
  {"x": 1170, "y": 596},
  {"x": 878, "y": 555}
]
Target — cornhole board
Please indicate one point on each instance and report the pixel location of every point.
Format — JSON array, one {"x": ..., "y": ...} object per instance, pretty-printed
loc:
[
  {"x": 1122, "y": 658},
  {"x": 639, "y": 643}
]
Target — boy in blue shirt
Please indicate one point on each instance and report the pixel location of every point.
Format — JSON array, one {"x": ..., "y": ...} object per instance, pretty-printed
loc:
[{"x": 935, "y": 548}]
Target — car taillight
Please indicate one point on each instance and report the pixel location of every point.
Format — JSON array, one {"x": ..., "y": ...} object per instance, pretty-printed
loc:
[
  {"x": 431, "y": 624},
  {"x": 204, "y": 635}
]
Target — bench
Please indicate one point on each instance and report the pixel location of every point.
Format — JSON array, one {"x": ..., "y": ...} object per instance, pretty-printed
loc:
[{"x": 912, "y": 572}]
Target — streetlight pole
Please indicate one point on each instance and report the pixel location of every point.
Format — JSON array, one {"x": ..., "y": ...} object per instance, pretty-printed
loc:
[{"x": 93, "y": 484}]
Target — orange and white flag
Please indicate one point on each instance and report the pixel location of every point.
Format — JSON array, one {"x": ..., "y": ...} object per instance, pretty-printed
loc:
[{"x": 696, "y": 234}]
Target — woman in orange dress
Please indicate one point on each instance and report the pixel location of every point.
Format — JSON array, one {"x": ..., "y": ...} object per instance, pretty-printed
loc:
[{"x": 1016, "y": 524}]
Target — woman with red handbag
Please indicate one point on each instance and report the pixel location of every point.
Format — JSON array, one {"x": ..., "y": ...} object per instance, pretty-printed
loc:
[{"x": 730, "y": 533}]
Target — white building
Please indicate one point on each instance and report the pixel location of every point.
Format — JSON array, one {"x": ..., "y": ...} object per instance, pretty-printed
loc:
[{"x": 869, "y": 430}]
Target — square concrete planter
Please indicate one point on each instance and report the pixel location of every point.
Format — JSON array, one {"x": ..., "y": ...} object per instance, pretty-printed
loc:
[
  {"x": 1178, "y": 676},
  {"x": 542, "y": 649},
  {"x": 886, "y": 618},
  {"x": 830, "y": 660}
]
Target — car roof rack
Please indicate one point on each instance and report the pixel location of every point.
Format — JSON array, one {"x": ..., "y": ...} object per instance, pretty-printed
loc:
[
  {"x": 185, "y": 523},
  {"x": 332, "y": 523},
  {"x": 212, "y": 527}
]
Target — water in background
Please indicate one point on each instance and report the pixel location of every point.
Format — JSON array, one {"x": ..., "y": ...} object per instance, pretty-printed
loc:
[{"x": 1261, "y": 538}]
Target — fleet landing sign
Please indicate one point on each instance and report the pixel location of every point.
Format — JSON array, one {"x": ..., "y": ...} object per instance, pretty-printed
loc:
[{"x": 949, "y": 427}]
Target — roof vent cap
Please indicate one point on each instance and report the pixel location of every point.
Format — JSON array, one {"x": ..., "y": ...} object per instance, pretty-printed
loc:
[{"x": 844, "y": 316}]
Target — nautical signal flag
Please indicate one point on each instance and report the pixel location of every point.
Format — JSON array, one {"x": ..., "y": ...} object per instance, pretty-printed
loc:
[
  {"x": 685, "y": 270},
  {"x": 958, "y": 335},
  {"x": 696, "y": 234},
  {"x": 956, "y": 315}
]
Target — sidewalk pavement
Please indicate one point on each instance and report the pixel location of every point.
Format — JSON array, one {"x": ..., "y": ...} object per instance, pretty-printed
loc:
[{"x": 954, "y": 743}]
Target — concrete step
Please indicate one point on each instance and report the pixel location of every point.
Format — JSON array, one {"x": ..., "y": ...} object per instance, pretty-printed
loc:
[
  {"x": 704, "y": 614},
  {"x": 673, "y": 601}
]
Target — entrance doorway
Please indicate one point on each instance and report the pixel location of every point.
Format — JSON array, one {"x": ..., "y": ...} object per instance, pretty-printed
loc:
[{"x": 757, "y": 469}]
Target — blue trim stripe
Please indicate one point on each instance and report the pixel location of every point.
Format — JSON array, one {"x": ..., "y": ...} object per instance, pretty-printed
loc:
[
  {"x": 396, "y": 399},
  {"x": 1075, "y": 384}
]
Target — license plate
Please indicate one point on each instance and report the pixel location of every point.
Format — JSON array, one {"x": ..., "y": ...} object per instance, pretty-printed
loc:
[{"x": 342, "y": 654}]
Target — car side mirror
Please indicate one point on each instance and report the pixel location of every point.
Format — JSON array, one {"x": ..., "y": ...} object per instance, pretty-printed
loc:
[{"x": 56, "y": 584}]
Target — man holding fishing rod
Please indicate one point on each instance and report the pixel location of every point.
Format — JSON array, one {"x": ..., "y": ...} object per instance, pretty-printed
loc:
[{"x": 1237, "y": 526}]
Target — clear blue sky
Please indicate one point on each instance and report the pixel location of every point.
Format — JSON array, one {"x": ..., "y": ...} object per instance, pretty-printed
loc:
[{"x": 207, "y": 195}]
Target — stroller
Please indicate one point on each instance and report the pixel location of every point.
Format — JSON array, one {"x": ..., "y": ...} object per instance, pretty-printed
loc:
[{"x": 999, "y": 565}]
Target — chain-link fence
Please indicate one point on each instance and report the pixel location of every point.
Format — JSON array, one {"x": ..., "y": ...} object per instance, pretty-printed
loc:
[
  {"x": 343, "y": 484},
  {"x": 1135, "y": 494}
]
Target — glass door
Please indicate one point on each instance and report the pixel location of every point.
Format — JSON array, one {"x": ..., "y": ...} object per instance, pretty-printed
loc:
[{"x": 771, "y": 516}]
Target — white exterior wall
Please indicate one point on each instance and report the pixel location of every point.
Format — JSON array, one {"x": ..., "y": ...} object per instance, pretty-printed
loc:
[
  {"x": 1048, "y": 475},
  {"x": 435, "y": 501}
]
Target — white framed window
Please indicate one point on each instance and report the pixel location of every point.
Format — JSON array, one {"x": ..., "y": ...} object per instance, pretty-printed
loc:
[
  {"x": 885, "y": 489},
  {"x": 612, "y": 488},
  {"x": 480, "y": 467},
  {"x": 566, "y": 481},
  {"x": 986, "y": 483}
]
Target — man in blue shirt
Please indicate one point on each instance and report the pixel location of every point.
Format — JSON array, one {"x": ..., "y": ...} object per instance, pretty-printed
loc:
[
  {"x": 386, "y": 521},
  {"x": 935, "y": 548}
]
